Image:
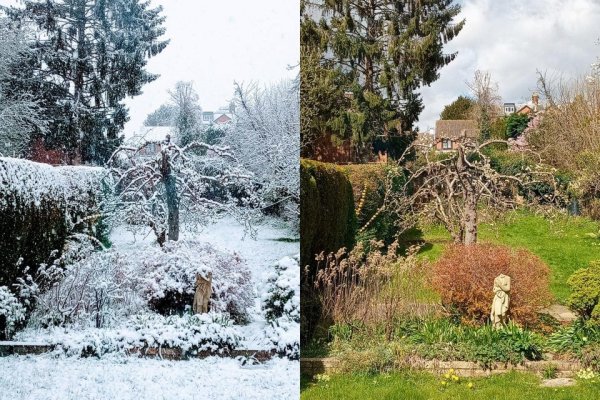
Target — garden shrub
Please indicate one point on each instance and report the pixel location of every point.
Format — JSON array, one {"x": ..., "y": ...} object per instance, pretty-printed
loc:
[
  {"x": 464, "y": 277},
  {"x": 369, "y": 185},
  {"x": 327, "y": 223},
  {"x": 327, "y": 218},
  {"x": 12, "y": 313},
  {"x": 282, "y": 297},
  {"x": 40, "y": 206},
  {"x": 212, "y": 332},
  {"x": 170, "y": 275},
  {"x": 585, "y": 293},
  {"x": 281, "y": 305}
]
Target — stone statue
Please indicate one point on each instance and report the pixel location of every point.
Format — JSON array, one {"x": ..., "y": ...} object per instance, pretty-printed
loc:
[
  {"x": 203, "y": 293},
  {"x": 501, "y": 300}
]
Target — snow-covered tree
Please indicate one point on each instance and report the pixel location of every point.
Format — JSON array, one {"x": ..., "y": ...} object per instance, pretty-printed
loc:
[
  {"x": 87, "y": 56},
  {"x": 266, "y": 137},
  {"x": 187, "y": 117},
  {"x": 162, "y": 116},
  {"x": 152, "y": 190},
  {"x": 20, "y": 113}
]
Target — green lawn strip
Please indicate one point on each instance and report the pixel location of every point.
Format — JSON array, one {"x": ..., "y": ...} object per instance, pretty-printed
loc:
[
  {"x": 564, "y": 243},
  {"x": 422, "y": 385}
]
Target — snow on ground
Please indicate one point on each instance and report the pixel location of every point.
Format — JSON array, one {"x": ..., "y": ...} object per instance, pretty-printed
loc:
[
  {"x": 120, "y": 378},
  {"x": 47, "y": 378},
  {"x": 261, "y": 255}
]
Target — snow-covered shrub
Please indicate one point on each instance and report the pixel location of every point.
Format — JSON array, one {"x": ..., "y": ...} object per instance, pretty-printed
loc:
[
  {"x": 170, "y": 275},
  {"x": 282, "y": 296},
  {"x": 212, "y": 332},
  {"x": 284, "y": 334},
  {"x": 281, "y": 305},
  {"x": 40, "y": 206},
  {"x": 12, "y": 313},
  {"x": 84, "y": 287}
]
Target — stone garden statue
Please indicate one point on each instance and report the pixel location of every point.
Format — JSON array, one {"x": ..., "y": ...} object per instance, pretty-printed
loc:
[
  {"x": 203, "y": 293},
  {"x": 501, "y": 300}
]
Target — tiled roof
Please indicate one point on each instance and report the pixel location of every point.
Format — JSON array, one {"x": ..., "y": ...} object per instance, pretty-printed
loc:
[{"x": 454, "y": 128}]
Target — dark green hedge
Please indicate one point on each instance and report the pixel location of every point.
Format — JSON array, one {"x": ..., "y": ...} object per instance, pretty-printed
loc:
[
  {"x": 327, "y": 219},
  {"x": 327, "y": 223},
  {"x": 40, "y": 206}
]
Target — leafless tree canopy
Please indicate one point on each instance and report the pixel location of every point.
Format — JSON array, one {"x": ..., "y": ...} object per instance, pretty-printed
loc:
[{"x": 452, "y": 186}]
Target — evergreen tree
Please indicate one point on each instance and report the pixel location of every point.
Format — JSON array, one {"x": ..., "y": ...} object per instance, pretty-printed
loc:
[
  {"x": 388, "y": 49},
  {"x": 461, "y": 108},
  {"x": 163, "y": 116},
  {"x": 88, "y": 55}
]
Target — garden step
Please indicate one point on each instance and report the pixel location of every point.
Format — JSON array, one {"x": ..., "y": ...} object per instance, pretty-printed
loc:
[
  {"x": 558, "y": 382},
  {"x": 8, "y": 348},
  {"x": 561, "y": 313}
]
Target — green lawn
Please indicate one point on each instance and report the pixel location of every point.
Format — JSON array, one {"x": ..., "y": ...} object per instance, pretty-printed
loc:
[
  {"x": 562, "y": 242},
  {"x": 419, "y": 385}
]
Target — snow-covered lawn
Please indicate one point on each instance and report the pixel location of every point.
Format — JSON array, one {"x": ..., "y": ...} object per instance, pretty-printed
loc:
[
  {"x": 117, "y": 377},
  {"x": 47, "y": 378}
]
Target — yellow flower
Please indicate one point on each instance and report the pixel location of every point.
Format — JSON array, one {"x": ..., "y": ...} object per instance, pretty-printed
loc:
[
  {"x": 447, "y": 375},
  {"x": 443, "y": 383},
  {"x": 470, "y": 385},
  {"x": 451, "y": 370},
  {"x": 455, "y": 378}
]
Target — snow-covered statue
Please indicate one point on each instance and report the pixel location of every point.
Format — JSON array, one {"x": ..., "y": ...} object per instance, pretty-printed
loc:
[
  {"x": 501, "y": 300},
  {"x": 203, "y": 293}
]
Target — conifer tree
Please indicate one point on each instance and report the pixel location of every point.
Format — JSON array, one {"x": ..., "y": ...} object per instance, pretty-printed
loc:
[
  {"x": 389, "y": 49},
  {"x": 87, "y": 56}
]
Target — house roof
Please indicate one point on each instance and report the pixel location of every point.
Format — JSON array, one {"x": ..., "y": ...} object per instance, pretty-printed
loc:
[{"x": 454, "y": 128}]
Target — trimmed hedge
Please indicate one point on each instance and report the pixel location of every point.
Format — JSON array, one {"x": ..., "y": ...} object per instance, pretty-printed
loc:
[
  {"x": 40, "y": 206},
  {"x": 327, "y": 219},
  {"x": 327, "y": 223}
]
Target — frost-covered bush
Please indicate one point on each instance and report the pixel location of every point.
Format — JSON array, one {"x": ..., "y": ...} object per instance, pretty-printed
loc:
[
  {"x": 40, "y": 206},
  {"x": 212, "y": 332},
  {"x": 12, "y": 313},
  {"x": 281, "y": 305},
  {"x": 282, "y": 295},
  {"x": 84, "y": 287},
  {"x": 170, "y": 275},
  {"x": 284, "y": 334}
]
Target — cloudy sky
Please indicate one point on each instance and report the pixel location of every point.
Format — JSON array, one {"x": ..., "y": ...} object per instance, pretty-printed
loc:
[
  {"x": 511, "y": 39},
  {"x": 213, "y": 44}
]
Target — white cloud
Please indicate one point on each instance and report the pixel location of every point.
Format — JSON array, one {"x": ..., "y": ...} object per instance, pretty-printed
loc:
[{"x": 512, "y": 39}]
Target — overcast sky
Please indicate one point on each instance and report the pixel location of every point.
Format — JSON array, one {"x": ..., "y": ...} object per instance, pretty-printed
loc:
[
  {"x": 511, "y": 39},
  {"x": 217, "y": 42}
]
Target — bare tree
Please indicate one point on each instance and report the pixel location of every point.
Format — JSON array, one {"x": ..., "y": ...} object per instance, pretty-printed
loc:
[
  {"x": 20, "y": 113},
  {"x": 452, "y": 187},
  {"x": 266, "y": 137},
  {"x": 487, "y": 101},
  {"x": 187, "y": 122},
  {"x": 153, "y": 189}
]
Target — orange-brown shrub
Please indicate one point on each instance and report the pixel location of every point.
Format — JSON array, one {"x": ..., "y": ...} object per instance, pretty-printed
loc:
[{"x": 464, "y": 277}]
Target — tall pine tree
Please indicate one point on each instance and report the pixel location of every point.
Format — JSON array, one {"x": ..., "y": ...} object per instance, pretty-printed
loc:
[
  {"x": 88, "y": 55},
  {"x": 390, "y": 49}
]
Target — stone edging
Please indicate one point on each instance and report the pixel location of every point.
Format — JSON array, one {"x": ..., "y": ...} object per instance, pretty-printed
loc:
[
  {"x": 331, "y": 365},
  {"x": 23, "y": 348}
]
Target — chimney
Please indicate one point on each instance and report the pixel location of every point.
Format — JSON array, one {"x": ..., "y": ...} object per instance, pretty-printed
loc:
[{"x": 535, "y": 98}]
